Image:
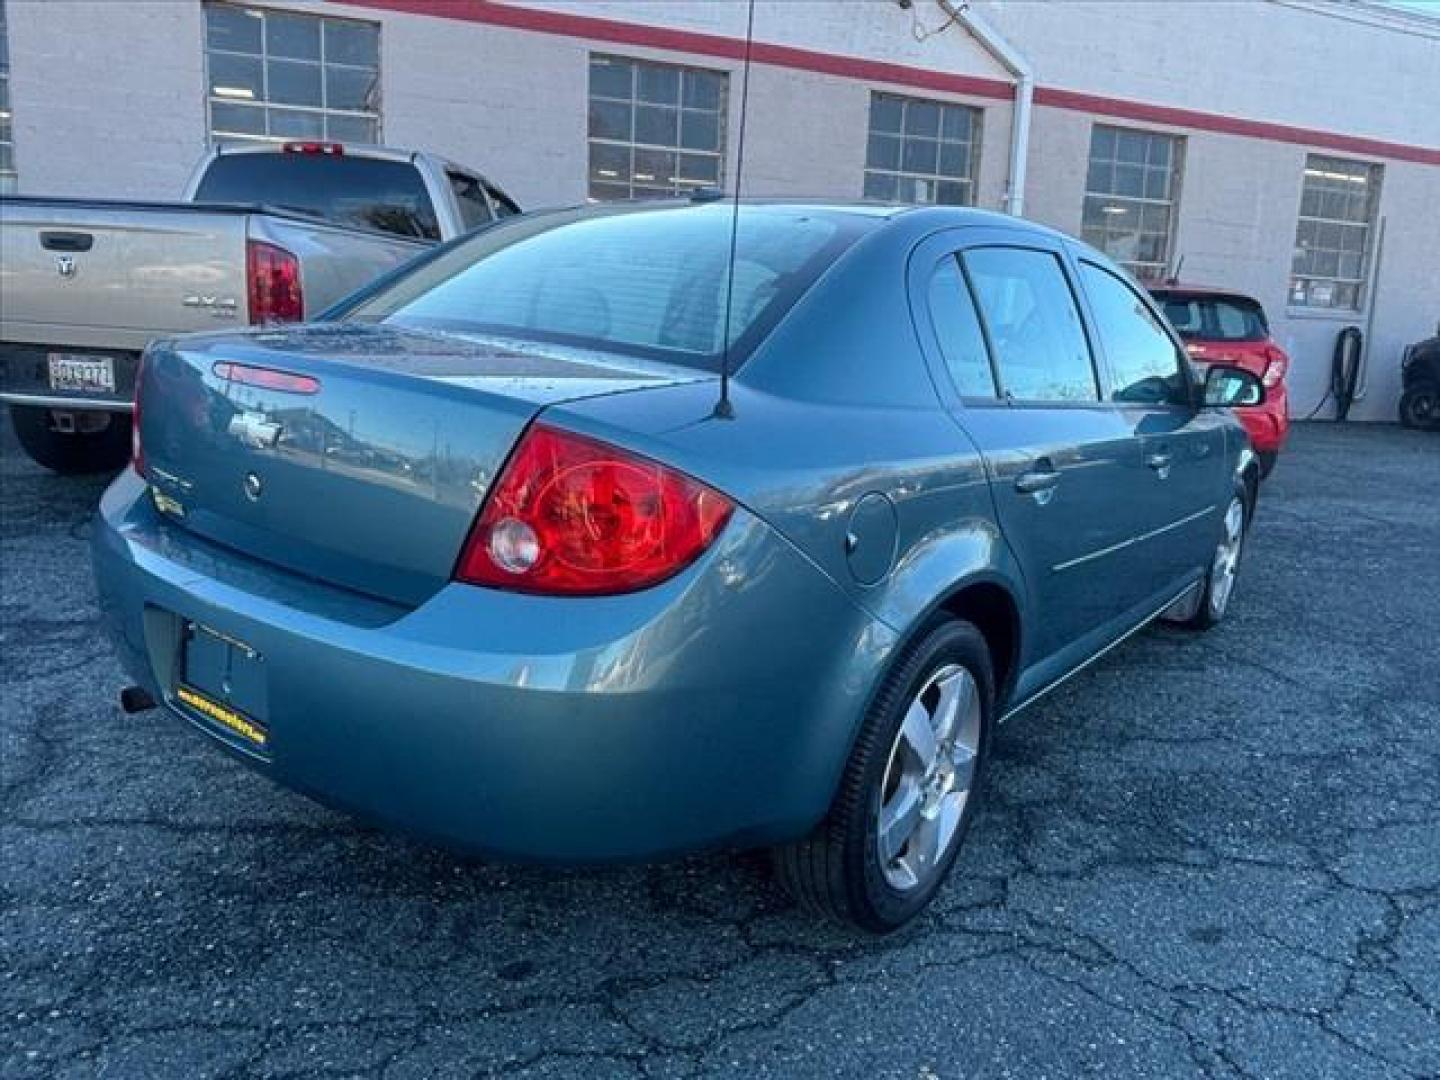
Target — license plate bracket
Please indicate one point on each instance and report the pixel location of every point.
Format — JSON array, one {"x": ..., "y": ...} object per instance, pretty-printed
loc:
[
  {"x": 221, "y": 680},
  {"x": 84, "y": 372}
]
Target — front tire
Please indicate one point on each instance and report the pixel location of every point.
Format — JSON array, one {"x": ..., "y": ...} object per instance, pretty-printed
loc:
[
  {"x": 1219, "y": 585},
  {"x": 72, "y": 453},
  {"x": 1420, "y": 407},
  {"x": 909, "y": 790}
]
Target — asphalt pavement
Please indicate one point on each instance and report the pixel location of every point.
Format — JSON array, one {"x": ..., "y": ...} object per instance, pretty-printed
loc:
[{"x": 1207, "y": 856}]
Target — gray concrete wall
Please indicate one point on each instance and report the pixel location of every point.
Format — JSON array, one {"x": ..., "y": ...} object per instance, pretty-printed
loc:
[{"x": 109, "y": 99}]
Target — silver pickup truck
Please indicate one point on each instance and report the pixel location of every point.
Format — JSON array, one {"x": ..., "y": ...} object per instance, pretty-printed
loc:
[{"x": 265, "y": 233}]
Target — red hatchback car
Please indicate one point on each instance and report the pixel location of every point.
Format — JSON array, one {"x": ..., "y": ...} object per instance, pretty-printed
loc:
[{"x": 1222, "y": 327}]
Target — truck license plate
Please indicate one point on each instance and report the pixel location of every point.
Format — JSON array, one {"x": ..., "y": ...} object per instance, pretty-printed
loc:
[{"x": 76, "y": 371}]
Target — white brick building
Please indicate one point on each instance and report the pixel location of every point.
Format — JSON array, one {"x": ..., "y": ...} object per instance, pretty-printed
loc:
[{"x": 1265, "y": 142}]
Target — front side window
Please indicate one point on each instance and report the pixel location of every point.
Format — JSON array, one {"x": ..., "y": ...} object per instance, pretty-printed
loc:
[
  {"x": 470, "y": 198},
  {"x": 655, "y": 129},
  {"x": 8, "y": 178},
  {"x": 1131, "y": 192},
  {"x": 1035, "y": 330},
  {"x": 1144, "y": 362},
  {"x": 957, "y": 329},
  {"x": 921, "y": 151},
  {"x": 1332, "y": 237},
  {"x": 278, "y": 75},
  {"x": 649, "y": 283}
]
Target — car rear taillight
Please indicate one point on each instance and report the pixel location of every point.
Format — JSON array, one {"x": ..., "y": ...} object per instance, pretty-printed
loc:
[
  {"x": 1276, "y": 364},
  {"x": 273, "y": 275},
  {"x": 137, "y": 447},
  {"x": 570, "y": 515}
]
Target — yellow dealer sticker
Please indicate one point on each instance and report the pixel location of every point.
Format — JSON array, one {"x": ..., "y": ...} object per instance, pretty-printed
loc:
[{"x": 223, "y": 715}]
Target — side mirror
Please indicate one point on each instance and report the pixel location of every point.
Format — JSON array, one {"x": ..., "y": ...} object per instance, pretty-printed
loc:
[{"x": 1232, "y": 388}]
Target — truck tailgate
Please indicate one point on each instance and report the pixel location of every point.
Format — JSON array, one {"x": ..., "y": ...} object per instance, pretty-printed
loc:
[{"x": 77, "y": 272}]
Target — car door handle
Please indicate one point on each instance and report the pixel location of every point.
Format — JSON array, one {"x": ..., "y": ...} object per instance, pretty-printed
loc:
[
  {"x": 1036, "y": 481},
  {"x": 1159, "y": 462},
  {"x": 54, "y": 240}
]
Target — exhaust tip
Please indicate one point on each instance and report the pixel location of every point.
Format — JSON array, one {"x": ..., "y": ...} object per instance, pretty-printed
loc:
[{"x": 136, "y": 699}]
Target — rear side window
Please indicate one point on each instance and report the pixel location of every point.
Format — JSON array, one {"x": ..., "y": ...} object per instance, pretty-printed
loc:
[
  {"x": 1035, "y": 329},
  {"x": 1144, "y": 361},
  {"x": 386, "y": 196},
  {"x": 957, "y": 327},
  {"x": 1216, "y": 318},
  {"x": 470, "y": 199}
]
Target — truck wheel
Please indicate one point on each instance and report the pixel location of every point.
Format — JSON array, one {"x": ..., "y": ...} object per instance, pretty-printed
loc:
[
  {"x": 908, "y": 792},
  {"x": 104, "y": 449},
  {"x": 1420, "y": 406}
]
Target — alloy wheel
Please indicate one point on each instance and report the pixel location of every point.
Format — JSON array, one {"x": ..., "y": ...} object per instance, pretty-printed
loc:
[
  {"x": 928, "y": 778},
  {"x": 1227, "y": 559}
]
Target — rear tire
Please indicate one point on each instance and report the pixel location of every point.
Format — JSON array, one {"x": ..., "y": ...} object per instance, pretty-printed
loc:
[
  {"x": 897, "y": 821},
  {"x": 72, "y": 453},
  {"x": 1420, "y": 407}
]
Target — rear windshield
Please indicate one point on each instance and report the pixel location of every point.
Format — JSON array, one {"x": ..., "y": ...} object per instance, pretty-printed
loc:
[
  {"x": 387, "y": 196},
  {"x": 1215, "y": 318},
  {"x": 647, "y": 282}
]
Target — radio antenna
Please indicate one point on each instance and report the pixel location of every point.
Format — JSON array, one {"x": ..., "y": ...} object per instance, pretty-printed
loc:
[{"x": 723, "y": 409}]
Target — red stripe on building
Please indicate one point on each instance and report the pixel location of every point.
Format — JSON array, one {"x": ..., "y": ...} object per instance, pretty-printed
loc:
[{"x": 591, "y": 28}]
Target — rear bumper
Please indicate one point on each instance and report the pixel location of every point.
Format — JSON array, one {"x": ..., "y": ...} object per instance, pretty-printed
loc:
[
  {"x": 715, "y": 709},
  {"x": 1268, "y": 425},
  {"x": 25, "y": 379}
]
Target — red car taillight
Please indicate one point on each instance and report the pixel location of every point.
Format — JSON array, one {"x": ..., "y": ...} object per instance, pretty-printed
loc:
[
  {"x": 273, "y": 276},
  {"x": 570, "y": 515},
  {"x": 1276, "y": 364},
  {"x": 137, "y": 447}
]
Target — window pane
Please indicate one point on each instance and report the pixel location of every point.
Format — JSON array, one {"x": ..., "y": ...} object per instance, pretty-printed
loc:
[
  {"x": 293, "y": 124},
  {"x": 236, "y": 119},
  {"x": 957, "y": 329},
  {"x": 658, "y": 85},
  {"x": 233, "y": 28},
  {"x": 656, "y": 126},
  {"x": 294, "y": 84},
  {"x": 470, "y": 199},
  {"x": 1039, "y": 344},
  {"x": 699, "y": 170},
  {"x": 880, "y": 186},
  {"x": 349, "y": 42},
  {"x": 352, "y": 88},
  {"x": 1143, "y": 360},
  {"x": 885, "y": 113},
  {"x": 882, "y": 151},
  {"x": 296, "y": 36},
  {"x": 655, "y": 167},
  {"x": 609, "y": 164},
  {"x": 610, "y": 78},
  {"x": 236, "y": 77},
  {"x": 355, "y": 129},
  {"x": 703, "y": 90},
  {"x": 699, "y": 130},
  {"x": 922, "y": 118},
  {"x": 956, "y": 124},
  {"x": 920, "y": 156},
  {"x": 1130, "y": 185},
  {"x": 1337, "y": 207}
]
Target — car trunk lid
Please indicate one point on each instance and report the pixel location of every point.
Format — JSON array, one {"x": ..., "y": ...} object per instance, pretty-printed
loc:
[{"x": 357, "y": 455}]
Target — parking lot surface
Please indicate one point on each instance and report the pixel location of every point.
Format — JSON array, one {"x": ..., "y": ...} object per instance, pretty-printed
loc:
[{"x": 1207, "y": 856}]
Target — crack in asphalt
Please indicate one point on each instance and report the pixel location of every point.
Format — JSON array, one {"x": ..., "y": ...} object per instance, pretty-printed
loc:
[{"x": 1214, "y": 857}]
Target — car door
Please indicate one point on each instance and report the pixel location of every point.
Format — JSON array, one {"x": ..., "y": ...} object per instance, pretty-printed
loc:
[
  {"x": 1021, "y": 372},
  {"x": 1182, "y": 446}
]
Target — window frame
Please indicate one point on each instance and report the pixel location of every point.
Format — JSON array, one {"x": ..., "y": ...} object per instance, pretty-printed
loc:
[
  {"x": 1375, "y": 182},
  {"x": 264, "y": 105},
  {"x": 1177, "y": 345},
  {"x": 632, "y": 144},
  {"x": 969, "y": 183},
  {"x": 1176, "y": 170}
]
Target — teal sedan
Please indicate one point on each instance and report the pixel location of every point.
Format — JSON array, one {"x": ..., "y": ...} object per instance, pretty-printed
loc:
[{"x": 578, "y": 541}]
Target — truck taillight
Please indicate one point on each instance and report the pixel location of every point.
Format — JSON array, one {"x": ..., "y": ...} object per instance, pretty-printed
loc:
[
  {"x": 573, "y": 516},
  {"x": 137, "y": 448},
  {"x": 273, "y": 276},
  {"x": 1276, "y": 364}
]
